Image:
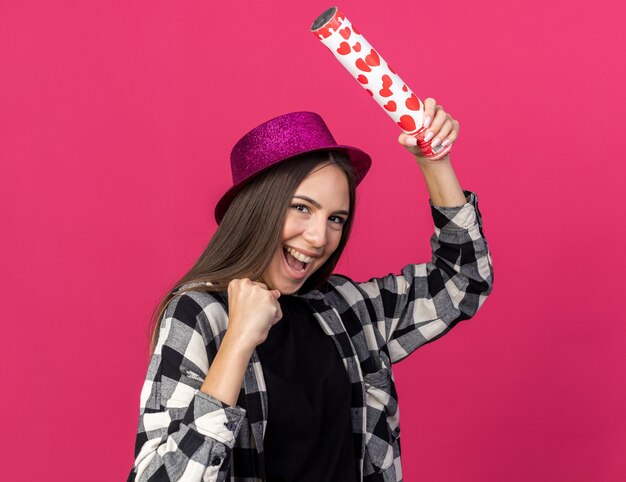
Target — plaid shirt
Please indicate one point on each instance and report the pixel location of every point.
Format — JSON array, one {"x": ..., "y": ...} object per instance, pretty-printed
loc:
[{"x": 187, "y": 435}]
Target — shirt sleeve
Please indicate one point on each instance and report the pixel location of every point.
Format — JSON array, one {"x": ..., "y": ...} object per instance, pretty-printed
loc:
[
  {"x": 184, "y": 434},
  {"x": 426, "y": 300}
]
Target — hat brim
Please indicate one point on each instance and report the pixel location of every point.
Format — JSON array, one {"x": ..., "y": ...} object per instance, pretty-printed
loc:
[{"x": 360, "y": 161}]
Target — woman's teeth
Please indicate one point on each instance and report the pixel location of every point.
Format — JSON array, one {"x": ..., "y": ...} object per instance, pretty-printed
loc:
[{"x": 299, "y": 256}]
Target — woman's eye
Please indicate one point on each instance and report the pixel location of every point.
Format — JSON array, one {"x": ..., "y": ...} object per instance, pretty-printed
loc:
[
  {"x": 300, "y": 207},
  {"x": 338, "y": 219}
]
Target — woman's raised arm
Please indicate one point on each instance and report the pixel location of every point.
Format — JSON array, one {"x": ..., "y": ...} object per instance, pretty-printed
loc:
[{"x": 426, "y": 300}]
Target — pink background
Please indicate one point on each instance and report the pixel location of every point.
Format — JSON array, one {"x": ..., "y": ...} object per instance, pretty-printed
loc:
[{"x": 116, "y": 122}]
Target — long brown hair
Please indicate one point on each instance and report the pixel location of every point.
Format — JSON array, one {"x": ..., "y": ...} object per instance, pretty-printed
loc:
[{"x": 245, "y": 241}]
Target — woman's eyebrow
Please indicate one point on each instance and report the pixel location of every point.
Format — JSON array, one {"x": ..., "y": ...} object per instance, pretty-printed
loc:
[{"x": 318, "y": 205}]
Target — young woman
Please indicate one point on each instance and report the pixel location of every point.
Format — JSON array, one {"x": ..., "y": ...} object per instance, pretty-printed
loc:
[{"x": 265, "y": 365}]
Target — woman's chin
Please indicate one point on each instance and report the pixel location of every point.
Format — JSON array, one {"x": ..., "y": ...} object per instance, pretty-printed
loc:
[
  {"x": 289, "y": 290},
  {"x": 285, "y": 287}
]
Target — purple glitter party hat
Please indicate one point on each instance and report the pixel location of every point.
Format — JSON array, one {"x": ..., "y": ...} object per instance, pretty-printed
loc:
[{"x": 278, "y": 140}]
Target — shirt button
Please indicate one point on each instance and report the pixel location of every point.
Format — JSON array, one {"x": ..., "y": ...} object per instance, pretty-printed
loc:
[
  {"x": 216, "y": 461},
  {"x": 231, "y": 426}
]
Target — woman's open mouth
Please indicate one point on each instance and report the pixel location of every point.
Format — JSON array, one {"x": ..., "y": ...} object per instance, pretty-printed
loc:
[{"x": 296, "y": 267}]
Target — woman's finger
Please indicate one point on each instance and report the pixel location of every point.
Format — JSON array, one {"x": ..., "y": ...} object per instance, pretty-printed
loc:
[
  {"x": 279, "y": 314},
  {"x": 443, "y": 133},
  {"x": 409, "y": 142},
  {"x": 454, "y": 134},
  {"x": 429, "y": 110},
  {"x": 438, "y": 120},
  {"x": 234, "y": 284}
]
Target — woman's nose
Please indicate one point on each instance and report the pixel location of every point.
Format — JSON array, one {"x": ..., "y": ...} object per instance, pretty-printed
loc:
[{"x": 315, "y": 233}]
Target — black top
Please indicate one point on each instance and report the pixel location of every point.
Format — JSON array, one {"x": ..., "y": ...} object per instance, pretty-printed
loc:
[{"x": 309, "y": 429}]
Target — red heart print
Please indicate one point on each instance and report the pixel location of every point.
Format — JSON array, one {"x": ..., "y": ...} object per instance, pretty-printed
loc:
[
  {"x": 361, "y": 78},
  {"x": 361, "y": 65},
  {"x": 390, "y": 106},
  {"x": 389, "y": 67},
  {"x": 412, "y": 103},
  {"x": 404, "y": 88},
  {"x": 355, "y": 30},
  {"x": 357, "y": 47},
  {"x": 369, "y": 92},
  {"x": 344, "y": 48},
  {"x": 372, "y": 59},
  {"x": 385, "y": 91},
  {"x": 407, "y": 123},
  {"x": 345, "y": 32}
]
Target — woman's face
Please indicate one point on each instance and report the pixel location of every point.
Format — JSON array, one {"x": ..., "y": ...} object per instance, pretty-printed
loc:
[{"x": 312, "y": 229}]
